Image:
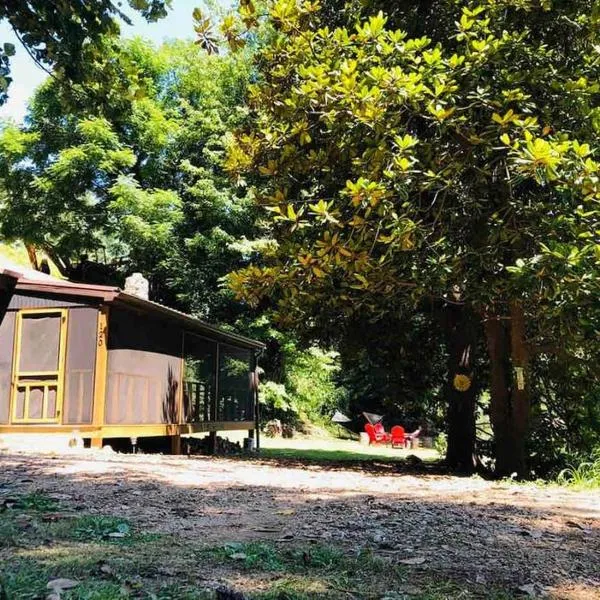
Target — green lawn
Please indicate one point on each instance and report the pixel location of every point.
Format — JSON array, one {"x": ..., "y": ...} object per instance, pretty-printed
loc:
[{"x": 333, "y": 449}]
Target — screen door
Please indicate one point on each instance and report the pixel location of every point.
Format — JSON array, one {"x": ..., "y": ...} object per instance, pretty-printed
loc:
[{"x": 38, "y": 367}]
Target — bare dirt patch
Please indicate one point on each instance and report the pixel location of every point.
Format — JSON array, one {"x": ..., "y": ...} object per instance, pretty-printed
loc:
[{"x": 467, "y": 528}]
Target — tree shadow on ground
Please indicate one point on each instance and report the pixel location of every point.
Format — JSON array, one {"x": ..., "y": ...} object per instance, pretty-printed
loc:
[
  {"x": 342, "y": 460},
  {"x": 193, "y": 508}
]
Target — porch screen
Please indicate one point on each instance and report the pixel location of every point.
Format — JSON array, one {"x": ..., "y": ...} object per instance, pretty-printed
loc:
[
  {"x": 40, "y": 356},
  {"x": 235, "y": 398},
  {"x": 200, "y": 357},
  {"x": 144, "y": 369},
  {"x": 40, "y": 342}
]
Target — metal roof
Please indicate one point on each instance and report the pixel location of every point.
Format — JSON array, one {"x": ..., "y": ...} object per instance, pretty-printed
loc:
[{"x": 34, "y": 281}]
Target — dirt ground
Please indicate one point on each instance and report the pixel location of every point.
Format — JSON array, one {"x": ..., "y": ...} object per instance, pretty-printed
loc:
[{"x": 538, "y": 538}]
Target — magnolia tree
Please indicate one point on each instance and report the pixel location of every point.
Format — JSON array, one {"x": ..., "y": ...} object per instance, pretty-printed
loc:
[{"x": 398, "y": 171}]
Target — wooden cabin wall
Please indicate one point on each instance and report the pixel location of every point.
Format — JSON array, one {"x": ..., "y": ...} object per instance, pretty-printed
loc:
[
  {"x": 80, "y": 363},
  {"x": 144, "y": 369},
  {"x": 7, "y": 288},
  {"x": 7, "y": 332},
  {"x": 40, "y": 300}
]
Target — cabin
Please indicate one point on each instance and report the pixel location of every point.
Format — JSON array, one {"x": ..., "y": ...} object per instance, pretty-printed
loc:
[{"x": 104, "y": 363}]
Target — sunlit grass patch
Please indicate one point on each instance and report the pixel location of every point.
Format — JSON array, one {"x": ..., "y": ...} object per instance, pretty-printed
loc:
[
  {"x": 296, "y": 588},
  {"x": 34, "y": 501},
  {"x": 585, "y": 475},
  {"x": 92, "y": 528}
]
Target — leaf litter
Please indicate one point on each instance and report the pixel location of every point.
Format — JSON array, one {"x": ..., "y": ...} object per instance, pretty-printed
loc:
[{"x": 531, "y": 539}]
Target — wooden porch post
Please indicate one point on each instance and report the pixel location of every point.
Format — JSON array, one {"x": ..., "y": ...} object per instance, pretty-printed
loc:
[
  {"x": 100, "y": 374},
  {"x": 212, "y": 436}
]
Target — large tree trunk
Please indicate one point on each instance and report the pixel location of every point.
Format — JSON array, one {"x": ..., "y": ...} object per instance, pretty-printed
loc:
[
  {"x": 32, "y": 255},
  {"x": 509, "y": 390},
  {"x": 461, "y": 327}
]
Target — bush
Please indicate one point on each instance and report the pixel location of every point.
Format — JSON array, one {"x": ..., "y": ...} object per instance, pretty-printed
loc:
[
  {"x": 308, "y": 392},
  {"x": 585, "y": 475},
  {"x": 440, "y": 444}
]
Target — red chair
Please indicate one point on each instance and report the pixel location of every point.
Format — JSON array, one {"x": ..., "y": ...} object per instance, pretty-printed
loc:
[
  {"x": 398, "y": 437},
  {"x": 382, "y": 434},
  {"x": 377, "y": 434},
  {"x": 371, "y": 433}
]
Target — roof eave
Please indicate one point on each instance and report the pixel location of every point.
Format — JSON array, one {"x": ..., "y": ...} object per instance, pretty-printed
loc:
[
  {"x": 193, "y": 323},
  {"x": 113, "y": 295},
  {"x": 104, "y": 293}
]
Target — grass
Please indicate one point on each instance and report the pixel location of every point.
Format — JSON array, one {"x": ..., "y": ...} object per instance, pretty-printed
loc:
[
  {"x": 35, "y": 501},
  {"x": 337, "y": 450},
  {"x": 323, "y": 455},
  {"x": 327, "y": 572},
  {"x": 40, "y": 541},
  {"x": 266, "y": 557},
  {"x": 585, "y": 475}
]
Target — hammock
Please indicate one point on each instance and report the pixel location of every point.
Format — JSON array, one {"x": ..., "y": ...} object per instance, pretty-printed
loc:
[
  {"x": 339, "y": 417},
  {"x": 373, "y": 418}
]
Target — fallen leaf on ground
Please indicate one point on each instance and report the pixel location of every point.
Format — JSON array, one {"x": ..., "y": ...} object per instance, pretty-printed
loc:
[
  {"x": 410, "y": 590},
  {"x": 57, "y": 585},
  {"x": 417, "y": 560},
  {"x": 532, "y": 589}
]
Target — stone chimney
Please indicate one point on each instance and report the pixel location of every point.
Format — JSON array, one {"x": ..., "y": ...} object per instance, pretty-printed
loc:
[{"x": 137, "y": 285}]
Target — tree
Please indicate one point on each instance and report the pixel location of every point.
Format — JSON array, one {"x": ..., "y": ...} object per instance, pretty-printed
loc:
[
  {"x": 397, "y": 170},
  {"x": 135, "y": 180},
  {"x": 66, "y": 35},
  {"x": 396, "y": 367}
]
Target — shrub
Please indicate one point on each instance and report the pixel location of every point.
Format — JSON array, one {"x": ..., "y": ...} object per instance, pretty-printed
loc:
[
  {"x": 440, "y": 444},
  {"x": 584, "y": 475}
]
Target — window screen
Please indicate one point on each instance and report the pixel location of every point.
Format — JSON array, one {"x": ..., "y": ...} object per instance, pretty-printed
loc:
[
  {"x": 199, "y": 377},
  {"x": 235, "y": 400},
  {"x": 40, "y": 340}
]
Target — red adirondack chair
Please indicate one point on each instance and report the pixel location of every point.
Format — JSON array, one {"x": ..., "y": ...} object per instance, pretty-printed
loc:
[
  {"x": 398, "y": 437},
  {"x": 377, "y": 434}
]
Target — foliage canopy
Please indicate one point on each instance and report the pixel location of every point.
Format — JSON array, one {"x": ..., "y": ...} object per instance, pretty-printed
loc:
[
  {"x": 398, "y": 170},
  {"x": 66, "y": 36}
]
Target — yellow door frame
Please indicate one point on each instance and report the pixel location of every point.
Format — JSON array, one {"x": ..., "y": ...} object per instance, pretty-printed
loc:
[{"x": 52, "y": 378}]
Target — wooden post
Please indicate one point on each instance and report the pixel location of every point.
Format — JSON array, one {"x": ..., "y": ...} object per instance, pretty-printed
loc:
[
  {"x": 256, "y": 412},
  {"x": 212, "y": 442},
  {"x": 181, "y": 417},
  {"x": 100, "y": 373},
  {"x": 212, "y": 436},
  {"x": 215, "y": 400},
  {"x": 176, "y": 443}
]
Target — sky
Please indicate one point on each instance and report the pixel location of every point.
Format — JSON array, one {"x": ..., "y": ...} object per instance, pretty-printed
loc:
[{"x": 27, "y": 75}]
